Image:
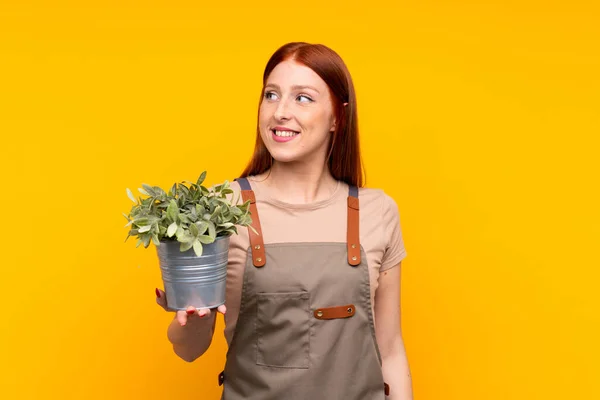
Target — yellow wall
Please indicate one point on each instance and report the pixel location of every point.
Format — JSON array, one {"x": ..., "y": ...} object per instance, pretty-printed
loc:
[{"x": 481, "y": 120}]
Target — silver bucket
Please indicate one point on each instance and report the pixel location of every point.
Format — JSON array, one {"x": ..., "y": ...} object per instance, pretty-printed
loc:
[{"x": 190, "y": 280}]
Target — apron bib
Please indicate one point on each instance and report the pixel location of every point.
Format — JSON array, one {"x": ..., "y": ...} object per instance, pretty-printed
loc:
[{"x": 305, "y": 326}]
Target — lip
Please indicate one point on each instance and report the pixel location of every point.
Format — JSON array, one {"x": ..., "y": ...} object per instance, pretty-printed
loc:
[{"x": 283, "y": 128}]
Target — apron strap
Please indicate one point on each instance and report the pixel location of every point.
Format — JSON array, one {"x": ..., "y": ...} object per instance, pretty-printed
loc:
[
  {"x": 256, "y": 241},
  {"x": 353, "y": 238}
]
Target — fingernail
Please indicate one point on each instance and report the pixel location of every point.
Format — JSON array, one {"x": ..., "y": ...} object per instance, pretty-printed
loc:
[
  {"x": 190, "y": 312},
  {"x": 157, "y": 292}
]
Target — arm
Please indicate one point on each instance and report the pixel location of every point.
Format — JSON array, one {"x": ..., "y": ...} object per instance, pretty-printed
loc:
[{"x": 396, "y": 371}]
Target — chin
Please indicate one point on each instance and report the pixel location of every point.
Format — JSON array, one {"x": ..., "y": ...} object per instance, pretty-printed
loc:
[{"x": 286, "y": 156}]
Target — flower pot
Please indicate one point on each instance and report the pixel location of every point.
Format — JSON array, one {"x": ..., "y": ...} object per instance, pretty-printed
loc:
[{"x": 190, "y": 280}]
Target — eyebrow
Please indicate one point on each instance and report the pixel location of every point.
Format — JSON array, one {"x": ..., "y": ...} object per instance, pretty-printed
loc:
[{"x": 294, "y": 87}]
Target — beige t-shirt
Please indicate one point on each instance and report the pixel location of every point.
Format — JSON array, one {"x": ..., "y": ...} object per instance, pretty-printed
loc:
[{"x": 321, "y": 221}]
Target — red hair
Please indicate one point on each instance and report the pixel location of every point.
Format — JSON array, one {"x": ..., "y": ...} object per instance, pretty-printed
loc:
[{"x": 344, "y": 158}]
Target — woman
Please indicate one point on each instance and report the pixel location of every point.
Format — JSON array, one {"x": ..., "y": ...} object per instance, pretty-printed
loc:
[{"x": 304, "y": 295}]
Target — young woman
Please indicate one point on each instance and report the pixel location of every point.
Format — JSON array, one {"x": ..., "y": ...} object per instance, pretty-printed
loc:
[{"x": 313, "y": 300}]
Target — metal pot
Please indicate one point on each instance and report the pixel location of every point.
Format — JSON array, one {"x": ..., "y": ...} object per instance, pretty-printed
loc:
[{"x": 190, "y": 280}]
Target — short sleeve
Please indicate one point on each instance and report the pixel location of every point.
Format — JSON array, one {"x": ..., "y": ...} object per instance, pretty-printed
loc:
[{"x": 394, "y": 243}]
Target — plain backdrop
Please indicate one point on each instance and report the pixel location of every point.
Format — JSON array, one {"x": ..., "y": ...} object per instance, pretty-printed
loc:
[{"x": 479, "y": 118}]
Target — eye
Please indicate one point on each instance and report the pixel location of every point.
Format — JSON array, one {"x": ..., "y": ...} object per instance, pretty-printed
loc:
[
  {"x": 267, "y": 95},
  {"x": 309, "y": 99}
]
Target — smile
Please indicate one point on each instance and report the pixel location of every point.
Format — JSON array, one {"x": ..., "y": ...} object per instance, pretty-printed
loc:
[
  {"x": 284, "y": 133},
  {"x": 283, "y": 136}
]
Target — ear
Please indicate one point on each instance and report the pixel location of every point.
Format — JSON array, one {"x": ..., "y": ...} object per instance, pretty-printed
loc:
[{"x": 333, "y": 126}]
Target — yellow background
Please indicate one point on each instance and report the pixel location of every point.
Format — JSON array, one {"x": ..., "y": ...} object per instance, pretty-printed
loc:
[{"x": 480, "y": 118}]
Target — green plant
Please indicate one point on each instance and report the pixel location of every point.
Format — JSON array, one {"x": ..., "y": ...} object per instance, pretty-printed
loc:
[{"x": 193, "y": 215}]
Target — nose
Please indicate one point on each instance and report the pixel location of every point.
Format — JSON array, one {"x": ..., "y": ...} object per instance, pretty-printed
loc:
[{"x": 282, "y": 112}]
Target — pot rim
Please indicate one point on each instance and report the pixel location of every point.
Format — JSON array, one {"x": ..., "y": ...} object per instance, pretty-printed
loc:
[{"x": 169, "y": 240}]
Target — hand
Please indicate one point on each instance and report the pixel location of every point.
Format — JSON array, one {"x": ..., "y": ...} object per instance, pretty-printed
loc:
[{"x": 183, "y": 315}]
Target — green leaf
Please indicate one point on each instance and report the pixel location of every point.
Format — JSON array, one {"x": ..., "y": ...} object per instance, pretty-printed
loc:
[
  {"x": 141, "y": 221},
  {"x": 142, "y": 191},
  {"x": 147, "y": 237},
  {"x": 192, "y": 217},
  {"x": 137, "y": 244},
  {"x": 159, "y": 191},
  {"x": 155, "y": 239},
  {"x": 173, "y": 210},
  {"x": 197, "y": 248},
  {"x": 232, "y": 231},
  {"x": 131, "y": 196},
  {"x": 194, "y": 230},
  {"x": 202, "y": 227},
  {"x": 215, "y": 212},
  {"x": 184, "y": 190},
  {"x": 145, "y": 228},
  {"x": 149, "y": 189},
  {"x": 212, "y": 230},
  {"x": 185, "y": 246},
  {"x": 236, "y": 211},
  {"x": 201, "y": 178},
  {"x": 222, "y": 200},
  {"x": 205, "y": 239},
  {"x": 173, "y": 190},
  {"x": 172, "y": 229}
]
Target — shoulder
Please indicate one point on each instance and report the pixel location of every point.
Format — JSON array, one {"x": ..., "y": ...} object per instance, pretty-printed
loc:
[
  {"x": 376, "y": 204},
  {"x": 375, "y": 197},
  {"x": 370, "y": 193}
]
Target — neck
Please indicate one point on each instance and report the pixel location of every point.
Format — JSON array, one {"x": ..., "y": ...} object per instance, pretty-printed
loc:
[{"x": 298, "y": 183}]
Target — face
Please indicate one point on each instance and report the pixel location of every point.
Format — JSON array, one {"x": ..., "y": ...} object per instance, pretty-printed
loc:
[{"x": 296, "y": 99}]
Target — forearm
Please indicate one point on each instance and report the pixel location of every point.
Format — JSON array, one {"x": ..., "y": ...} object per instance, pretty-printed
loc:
[
  {"x": 396, "y": 373},
  {"x": 193, "y": 339}
]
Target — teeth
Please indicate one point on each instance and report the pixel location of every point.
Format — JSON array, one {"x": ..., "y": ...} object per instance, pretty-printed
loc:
[{"x": 285, "y": 133}]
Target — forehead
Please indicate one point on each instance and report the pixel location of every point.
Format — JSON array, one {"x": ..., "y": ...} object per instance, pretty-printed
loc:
[{"x": 289, "y": 73}]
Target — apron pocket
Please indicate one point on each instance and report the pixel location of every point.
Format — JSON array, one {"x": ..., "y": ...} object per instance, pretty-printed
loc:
[{"x": 283, "y": 329}]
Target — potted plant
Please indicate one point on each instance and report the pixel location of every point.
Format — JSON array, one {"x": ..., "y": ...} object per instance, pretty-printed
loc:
[{"x": 190, "y": 226}]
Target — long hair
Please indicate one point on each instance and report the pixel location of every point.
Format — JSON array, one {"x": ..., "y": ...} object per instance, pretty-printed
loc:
[{"x": 344, "y": 159}]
